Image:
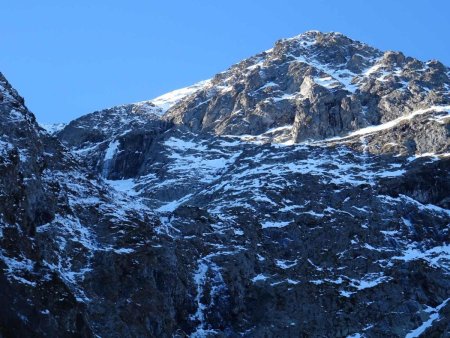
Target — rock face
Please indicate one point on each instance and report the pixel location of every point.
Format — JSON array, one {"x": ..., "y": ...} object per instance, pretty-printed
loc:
[{"x": 302, "y": 192}]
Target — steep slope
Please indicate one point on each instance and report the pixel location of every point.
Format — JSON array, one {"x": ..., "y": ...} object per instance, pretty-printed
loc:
[
  {"x": 302, "y": 192},
  {"x": 76, "y": 258},
  {"x": 27, "y": 202}
]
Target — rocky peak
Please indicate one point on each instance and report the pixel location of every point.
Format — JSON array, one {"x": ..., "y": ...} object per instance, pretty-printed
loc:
[
  {"x": 315, "y": 86},
  {"x": 314, "y": 173},
  {"x": 333, "y": 49},
  {"x": 8, "y": 93},
  {"x": 350, "y": 85}
]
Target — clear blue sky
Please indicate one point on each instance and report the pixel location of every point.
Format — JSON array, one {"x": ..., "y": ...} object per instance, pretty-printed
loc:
[{"x": 69, "y": 58}]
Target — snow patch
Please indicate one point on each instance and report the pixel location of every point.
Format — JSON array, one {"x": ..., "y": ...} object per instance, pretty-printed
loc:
[
  {"x": 271, "y": 224},
  {"x": 259, "y": 278},
  {"x": 111, "y": 150},
  {"x": 427, "y": 324},
  {"x": 168, "y": 100}
]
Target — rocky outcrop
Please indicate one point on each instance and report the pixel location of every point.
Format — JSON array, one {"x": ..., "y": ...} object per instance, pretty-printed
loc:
[{"x": 324, "y": 113}]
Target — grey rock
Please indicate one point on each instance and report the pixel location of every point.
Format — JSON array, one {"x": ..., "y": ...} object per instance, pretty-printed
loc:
[{"x": 257, "y": 204}]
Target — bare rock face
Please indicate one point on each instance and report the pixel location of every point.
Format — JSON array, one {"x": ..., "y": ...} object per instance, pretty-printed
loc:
[
  {"x": 323, "y": 85},
  {"x": 302, "y": 192},
  {"x": 29, "y": 289},
  {"x": 324, "y": 113},
  {"x": 70, "y": 247}
]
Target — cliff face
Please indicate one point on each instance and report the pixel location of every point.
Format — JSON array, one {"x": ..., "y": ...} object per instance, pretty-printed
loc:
[
  {"x": 68, "y": 240},
  {"x": 302, "y": 192}
]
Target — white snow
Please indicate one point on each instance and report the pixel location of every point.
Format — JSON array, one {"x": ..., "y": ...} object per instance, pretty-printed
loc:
[
  {"x": 53, "y": 127},
  {"x": 5, "y": 147},
  {"x": 123, "y": 251},
  {"x": 373, "y": 69},
  {"x": 394, "y": 173},
  {"x": 168, "y": 100},
  {"x": 326, "y": 81},
  {"x": 429, "y": 207},
  {"x": 285, "y": 264},
  {"x": 111, "y": 150},
  {"x": 391, "y": 124},
  {"x": 286, "y": 97},
  {"x": 343, "y": 76},
  {"x": 184, "y": 145},
  {"x": 238, "y": 232},
  {"x": 258, "y": 63},
  {"x": 271, "y": 224},
  {"x": 16, "y": 115},
  {"x": 434, "y": 156},
  {"x": 355, "y": 335},
  {"x": 126, "y": 186},
  {"x": 427, "y": 324},
  {"x": 442, "y": 119},
  {"x": 292, "y": 281},
  {"x": 346, "y": 293},
  {"x": 396, "y": 121},
  {"x": 171, "y": 206},
  {"x": 305, "y": 39},
  {"x": 281, "y": 135},
  {"x": 77, "y": 232},
  {"x": 207, "y": 271},
  {"x": 408, "y": 224},
  {"x": 369, "y": 281},
  {"x": 16, "y": 266},
  {"x": 438, "y": 256},
  {"x": 259, "y": 277},
  {"x": 337, "y": 281},
  {"x": 314, "y": 265},
  {"x": 196, "y": 161},
  {"x": 268, "y": 85}
]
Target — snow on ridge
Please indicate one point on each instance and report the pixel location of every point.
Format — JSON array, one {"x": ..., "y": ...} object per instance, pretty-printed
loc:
[
  {"x": 393, "y": 123},
  {"x": 168, "y": 100},
  {"x": 427, "y": 324},
  {"x": 342, "y": 76},
  {"x": 309, "y": 36},
  {"x": 389, "y": 124},
  {"x": 438, "y": 256},
  {"x": 280, "y": 135},
  {"x": 53, "y": 128}
]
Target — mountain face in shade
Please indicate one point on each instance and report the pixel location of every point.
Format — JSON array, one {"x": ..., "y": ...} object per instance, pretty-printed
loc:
[{"x": 303, "y": 192}]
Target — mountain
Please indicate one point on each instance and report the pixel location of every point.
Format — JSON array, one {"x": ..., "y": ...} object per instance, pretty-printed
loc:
[{"x": 302, "y": 192}]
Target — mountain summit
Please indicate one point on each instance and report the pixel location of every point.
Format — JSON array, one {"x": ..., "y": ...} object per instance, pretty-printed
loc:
[{"x": 302, "y": 192}]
